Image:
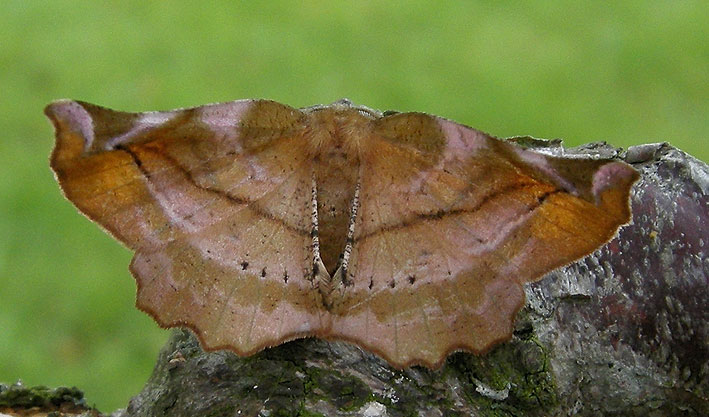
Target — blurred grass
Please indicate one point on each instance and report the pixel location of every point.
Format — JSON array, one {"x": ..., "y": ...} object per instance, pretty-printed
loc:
[{"x": 625, "y": 72}]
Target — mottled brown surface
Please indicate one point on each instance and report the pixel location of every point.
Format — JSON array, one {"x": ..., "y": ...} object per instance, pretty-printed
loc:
[{"x": 217, "y": 201}]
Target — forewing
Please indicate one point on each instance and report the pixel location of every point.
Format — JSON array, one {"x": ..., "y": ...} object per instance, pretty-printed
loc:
[
  {"x": 215, "y": 201},
  {"x": 452, "y": 222}
]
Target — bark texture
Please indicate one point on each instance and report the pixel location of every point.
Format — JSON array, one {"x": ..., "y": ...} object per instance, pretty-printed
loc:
[
  {"x": 41, "y": 401},
  {"x": 624, "y": 331}
]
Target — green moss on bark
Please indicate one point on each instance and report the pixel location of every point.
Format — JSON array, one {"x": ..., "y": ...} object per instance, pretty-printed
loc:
[
  {"x": 18, "y": 397},
  {"x": 513, "y": 377}
]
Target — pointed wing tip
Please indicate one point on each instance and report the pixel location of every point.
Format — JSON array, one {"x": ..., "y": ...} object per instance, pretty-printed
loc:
[
  {"x": 63, "y": 109},
  {"x": 69, "y": 115},
  {"x": 58, "y": 102},
  {"x": 619, "y": 170},
  {"x": 54, "y": 109},
  {"x": 73, "y": 130},
  {"x": 614, "y": 176}
]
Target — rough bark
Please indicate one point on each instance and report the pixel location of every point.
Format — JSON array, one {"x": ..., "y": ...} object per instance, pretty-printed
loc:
[
  {"x": 41, "y": 401},
  {"x": 624, "y": 331}
]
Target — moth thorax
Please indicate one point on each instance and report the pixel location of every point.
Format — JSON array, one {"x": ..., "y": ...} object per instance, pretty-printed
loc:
[{"x": 339, "y": 133}]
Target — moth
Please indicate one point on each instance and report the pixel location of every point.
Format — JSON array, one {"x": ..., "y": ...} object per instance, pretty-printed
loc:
[{"x": 255, "y": 223}]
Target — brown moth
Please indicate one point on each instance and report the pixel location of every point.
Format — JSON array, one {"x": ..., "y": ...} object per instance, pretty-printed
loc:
[{"x": 255, "y": 223}]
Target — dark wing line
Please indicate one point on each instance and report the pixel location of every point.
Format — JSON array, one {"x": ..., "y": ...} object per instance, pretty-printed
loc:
[
  {"x": 445, "y": 212},
  {"x": 249, "y": 226},
  {"x": 424, "y": 217},
  {"x": 205, "y": 161},
  {"x": 224, "y": 194}
]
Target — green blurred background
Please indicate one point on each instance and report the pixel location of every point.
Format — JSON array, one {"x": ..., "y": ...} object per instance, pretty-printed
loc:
[{"x": 626, "y": 72}]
